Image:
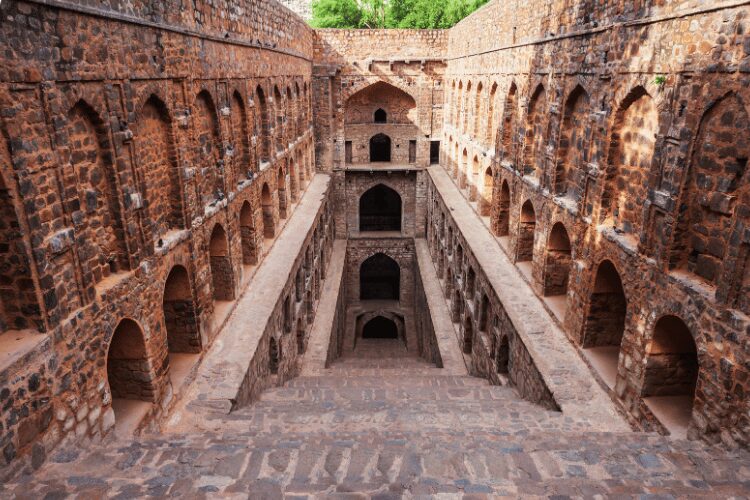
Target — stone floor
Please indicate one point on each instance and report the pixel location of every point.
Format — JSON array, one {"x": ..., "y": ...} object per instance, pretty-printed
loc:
[{"x": 383, "y": 424}]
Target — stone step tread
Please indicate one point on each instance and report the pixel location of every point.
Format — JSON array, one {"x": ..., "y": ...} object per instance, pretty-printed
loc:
[
  {"x": 380, "y": 380},
  {"x": 426, "y": 463},
  {"x": 396, "y": 394}
]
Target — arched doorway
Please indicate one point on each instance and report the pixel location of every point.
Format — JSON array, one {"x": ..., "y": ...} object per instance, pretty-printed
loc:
[
  {"x": 247, "y": 235},
  {"x": 502, "y": 357},
  {"x": 485, "y": 202},
  {"x": 180, "y": 316},
  {"x": 671, "y": 374},
  {"x": 380, "y": 328},
  {"x": 301, "y": 345},
  {"x": 474, "y": 180},
  {"x": 604, "y": 324},
  {"x": 130, "y": 376},
  {"x": 274, "y": 355},
  {"x": 526, "y": 232},
  {"x": 502, "y": 225},
  {"x": 222, "y": 275},
  {"x": 281, "y": 188},
  {"x": 557, "y": 262},
  {"x": 380, "y": 148},
  {"x": 266, "y": 201},
  {"x": 380, "y": 210},
  {"x": 379, "y": 278},
  {"x": 468, "y": 338}
]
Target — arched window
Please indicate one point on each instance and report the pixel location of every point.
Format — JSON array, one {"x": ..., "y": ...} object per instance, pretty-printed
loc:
[
  {"x": 380, "y": 210},
  {"x": 380, "y": 148},
  {"x": 381, "y": 116},
  {"x": 265, "y": 126},
  {"x": 379, "y": 278},
  {"x": 380, "y": 328}
]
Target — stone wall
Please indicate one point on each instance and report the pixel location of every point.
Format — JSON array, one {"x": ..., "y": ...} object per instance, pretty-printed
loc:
[
  {"x": 624, "y": 126},
  {"x": 400, "y": 69},
  {"x": 130, "y": 134},
  {"x": 302, "y": 8},
  {"x": 287, "y": 328},
  {"x": 487, "y": 334}
]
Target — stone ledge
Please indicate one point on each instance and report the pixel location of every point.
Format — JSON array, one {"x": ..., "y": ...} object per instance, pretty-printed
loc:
[{"x": 573, "y": 388}]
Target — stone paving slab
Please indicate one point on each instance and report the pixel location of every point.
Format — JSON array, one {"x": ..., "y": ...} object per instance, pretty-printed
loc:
[
  {"x": 573, "y": 388},
  {"x": 393, "y": 463},
  {"x": 391, "y": 436}
]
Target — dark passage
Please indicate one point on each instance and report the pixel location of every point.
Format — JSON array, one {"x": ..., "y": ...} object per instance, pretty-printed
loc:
[
  {"x": 380, "y": 148},
  {"x": 380, "y": 328},
  {"x": 379, "y": 278},
  {"x": 380, "y": 210}
]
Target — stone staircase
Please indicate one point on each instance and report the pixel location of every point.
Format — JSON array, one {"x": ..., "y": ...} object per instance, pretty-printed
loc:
[{"x": 382, "y": 423}]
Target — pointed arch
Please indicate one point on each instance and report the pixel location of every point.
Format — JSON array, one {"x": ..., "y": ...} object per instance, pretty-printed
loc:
[
  {"x": 248, "y": 235},
  {"x": 240, "y": 136},
  {"x": 209, "y": 146},
  {"x": 572, "y": 148},
  {"x": 222, "y": 274},
  {"x": 526, "y": 233},
  {"x": 488, "y": 185},
  {"x": 717, "y": 181},
  {"x": 557, "y": 262},
  {"x": 502, "y": 225},
  {"x": 157, "y": 161},
  {"x": 269, "y": 219},
  {"x": 380, "y": 209},
  {"x": 535, "y": 133},
  {"x": 510, "y": 122},
  {"x": 266, "y": 132},
  {"x": 631, "y": 152},
  {"x": 97, "y": 193},
  {"x": 180, "y": 313},
  {"x": 380, "y": 278}
]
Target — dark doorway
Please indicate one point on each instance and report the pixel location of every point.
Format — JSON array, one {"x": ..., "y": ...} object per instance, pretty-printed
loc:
[
  {"x": 380, "y": 210},
  {"x": 380, "y": 148},
  {"x": 380, "y": 328},
  {"x": 434, "y": 152},
  {"x": 379, "y": 278},
  {"x": 381, "y": 116}
]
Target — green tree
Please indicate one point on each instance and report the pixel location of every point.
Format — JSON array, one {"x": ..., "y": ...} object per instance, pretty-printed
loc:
[
  {"x": 414, "y": 14},
  {"x": 345, "y": 14}
]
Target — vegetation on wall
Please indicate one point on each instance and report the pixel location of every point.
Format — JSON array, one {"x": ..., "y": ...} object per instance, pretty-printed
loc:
[{"x": 372, "y": 14}]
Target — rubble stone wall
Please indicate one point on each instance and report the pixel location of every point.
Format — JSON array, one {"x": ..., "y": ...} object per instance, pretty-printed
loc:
[
  {"x": 129, "y": 131},
  {"x": 627, "y": 124}
]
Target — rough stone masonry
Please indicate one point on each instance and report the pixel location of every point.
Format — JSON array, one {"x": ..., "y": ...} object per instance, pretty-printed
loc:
[{"x": 152, "y": 154}]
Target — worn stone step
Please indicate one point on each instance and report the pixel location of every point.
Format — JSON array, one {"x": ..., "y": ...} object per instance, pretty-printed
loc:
[
  {"x": 417, "y": 463},
  {"x": 389, "y": 381},
  {"x": 396, "y": 394}
]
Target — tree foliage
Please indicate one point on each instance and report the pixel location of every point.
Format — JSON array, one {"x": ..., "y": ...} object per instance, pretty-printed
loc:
[{"x": 415, "y": 14}]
